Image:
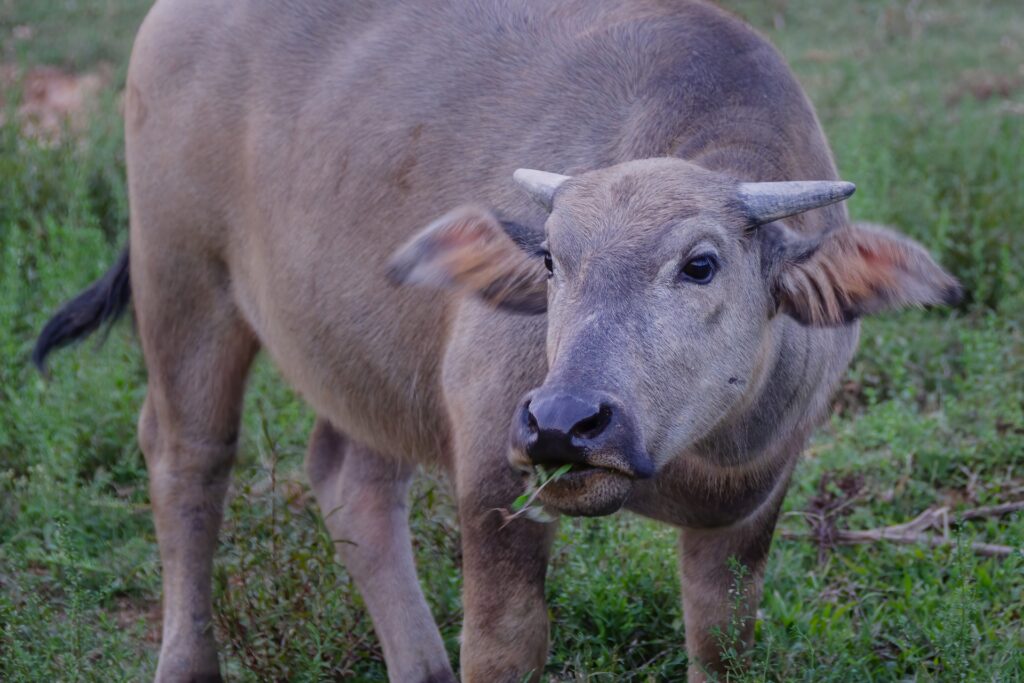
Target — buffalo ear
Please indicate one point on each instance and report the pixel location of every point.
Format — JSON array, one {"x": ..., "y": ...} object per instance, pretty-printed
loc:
[
  {"x": 469, "y": 250},
  {"x": 853, "y": 271}
]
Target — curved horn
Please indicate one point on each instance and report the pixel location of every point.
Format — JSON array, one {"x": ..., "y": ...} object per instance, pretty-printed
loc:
[
  {"x": 768, "y": 202},
  {"x": 539, "y": 184}
]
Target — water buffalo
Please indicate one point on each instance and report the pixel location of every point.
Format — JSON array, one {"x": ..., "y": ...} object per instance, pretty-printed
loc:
[{"x": 665, "y": 303}]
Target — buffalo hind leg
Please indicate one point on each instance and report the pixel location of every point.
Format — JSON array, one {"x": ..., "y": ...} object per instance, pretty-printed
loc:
[
  {"x": 198, "y": 352},
  {"x": 364, "y": 501}
]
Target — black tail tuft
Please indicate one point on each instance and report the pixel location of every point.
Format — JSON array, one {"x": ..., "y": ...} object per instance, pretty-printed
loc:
[{"x": 103, "y": 302}]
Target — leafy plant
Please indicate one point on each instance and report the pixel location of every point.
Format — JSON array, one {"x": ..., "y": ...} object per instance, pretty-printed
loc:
[{"x": 525, "y": 505}]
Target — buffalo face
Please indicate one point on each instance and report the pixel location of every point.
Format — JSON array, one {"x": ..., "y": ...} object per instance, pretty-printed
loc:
[{"x": 660, "y": 280}]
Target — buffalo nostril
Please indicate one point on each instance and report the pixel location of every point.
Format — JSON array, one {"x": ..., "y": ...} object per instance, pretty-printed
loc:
[
  {"x": 592, "y": 427},
  {"x": 531, "y": 421}
]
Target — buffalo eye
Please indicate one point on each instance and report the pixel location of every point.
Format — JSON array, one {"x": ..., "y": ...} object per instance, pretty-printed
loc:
[
  {"x": 549, "y": 265},
  {"x": 699, "y": 269}
]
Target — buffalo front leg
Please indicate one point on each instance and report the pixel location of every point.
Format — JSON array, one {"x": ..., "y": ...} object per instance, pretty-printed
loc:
[
  {"x": 722, "y": 572},
  {"x": 364, "y": 501},
  {"x": 505, "y": 628}
]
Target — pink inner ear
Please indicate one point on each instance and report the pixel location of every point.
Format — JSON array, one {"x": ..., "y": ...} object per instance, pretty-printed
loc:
[
  {"x": 452, "y": 239},
  {"x": 881, "y": 255},
  {"x": 872, "y": 270},
  {"x": 885, "y": 261},
  {"x": 464, "y": 233},
  {"x": 867, "y": 254}
]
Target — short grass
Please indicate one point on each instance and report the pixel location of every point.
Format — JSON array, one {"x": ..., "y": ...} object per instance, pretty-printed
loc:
[{"x": 924, "y": 103}]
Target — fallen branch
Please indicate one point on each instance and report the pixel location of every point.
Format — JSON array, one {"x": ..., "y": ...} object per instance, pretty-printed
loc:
[
  {"x": 985, "y": 549},
  {"x": 993, "y": 510},
  {"x": 915, "y": 531}
]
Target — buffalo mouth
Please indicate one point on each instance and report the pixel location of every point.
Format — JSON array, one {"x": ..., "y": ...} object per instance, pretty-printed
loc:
[
  {"x": 587, "y": 490},
  {"x": 582, "y": 467},
  {"x": 595, "y": 484}
]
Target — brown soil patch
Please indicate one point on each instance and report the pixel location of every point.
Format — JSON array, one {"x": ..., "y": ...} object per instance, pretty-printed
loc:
[
  {"x": 129, "y": 612},
  {"x": 52, "y": 101},
  {"x": 983, "y": 86}
]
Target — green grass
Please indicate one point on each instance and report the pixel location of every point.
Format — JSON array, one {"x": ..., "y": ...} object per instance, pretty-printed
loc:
[{"x": 932, "y": 411}]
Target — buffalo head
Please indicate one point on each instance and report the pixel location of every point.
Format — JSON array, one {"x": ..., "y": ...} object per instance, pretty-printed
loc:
[{"x": 660, "y": 281}]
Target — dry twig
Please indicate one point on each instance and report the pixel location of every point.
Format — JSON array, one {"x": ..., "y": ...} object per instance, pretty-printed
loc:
[{"x": 916, "y": 530}]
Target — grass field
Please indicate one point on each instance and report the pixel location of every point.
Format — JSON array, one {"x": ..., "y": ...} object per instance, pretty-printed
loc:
[{"x": 924, "y": 104}]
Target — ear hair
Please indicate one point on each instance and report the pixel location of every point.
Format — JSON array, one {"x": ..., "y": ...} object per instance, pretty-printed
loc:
[
  {"x": 469, "y": 250},
  {"x": 853, "y": 271}
]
